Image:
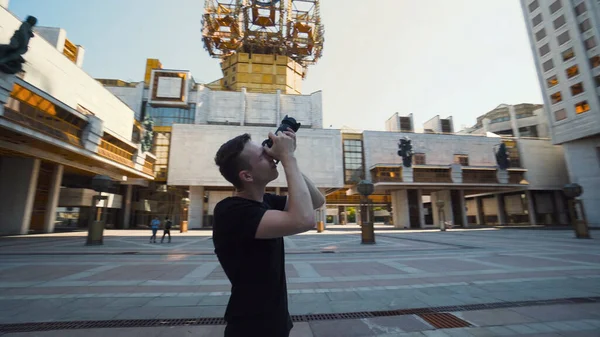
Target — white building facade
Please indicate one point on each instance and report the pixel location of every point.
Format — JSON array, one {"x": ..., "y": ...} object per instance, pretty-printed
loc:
[{"x": 565, "y": 38}]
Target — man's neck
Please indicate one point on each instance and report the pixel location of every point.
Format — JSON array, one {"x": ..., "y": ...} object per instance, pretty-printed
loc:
[{"x": 255, "y": 193}]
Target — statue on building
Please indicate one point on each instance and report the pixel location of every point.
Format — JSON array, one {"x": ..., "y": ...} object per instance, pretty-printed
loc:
[
  {"x": 405, "y": 151},
  {"x": 11, "y": 61},
  {"x": 502, "y": 158},
  {"x": 148, "y": 136}
]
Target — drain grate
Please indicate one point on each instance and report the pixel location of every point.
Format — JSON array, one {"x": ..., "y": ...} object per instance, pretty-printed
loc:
[
  {"x": 439, "y": 317},
  {"x": 444, "y": 321}
]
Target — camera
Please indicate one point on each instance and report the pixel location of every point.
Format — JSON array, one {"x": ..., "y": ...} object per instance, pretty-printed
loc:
[{"x": 287, "y": 122}]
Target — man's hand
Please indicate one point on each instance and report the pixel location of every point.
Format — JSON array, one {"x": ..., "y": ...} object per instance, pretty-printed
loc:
[
  {"x": 283, "y": 146},
  {"x": 292, "y": 135}
]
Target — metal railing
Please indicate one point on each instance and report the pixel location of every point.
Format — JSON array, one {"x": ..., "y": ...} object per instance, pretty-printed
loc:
[
  {"x": 115, "y": 153},
  {"x": 148, "y": 167},
  {"x": 38, "y": 120}
]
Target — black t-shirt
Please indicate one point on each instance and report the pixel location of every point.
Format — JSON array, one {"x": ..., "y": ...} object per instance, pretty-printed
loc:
[{"x": 255, "y": 267}]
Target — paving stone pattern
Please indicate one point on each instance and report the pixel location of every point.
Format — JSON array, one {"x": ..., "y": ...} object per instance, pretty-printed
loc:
[{"x": 57, "y": 278}]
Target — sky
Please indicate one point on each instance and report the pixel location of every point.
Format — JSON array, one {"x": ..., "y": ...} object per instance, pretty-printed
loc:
[{"x": 459, "y": 58}]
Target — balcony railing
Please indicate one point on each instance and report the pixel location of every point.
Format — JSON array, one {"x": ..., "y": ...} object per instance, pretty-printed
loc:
[
  {"x": 148, "y": 167},
  {"x": 39, "y": 120},
  {"x": 427, "y": 175},
  {"x": 386, "y": 174},
  {"x": 479, "y": 177},
  {"x": 115, "y": 153}
]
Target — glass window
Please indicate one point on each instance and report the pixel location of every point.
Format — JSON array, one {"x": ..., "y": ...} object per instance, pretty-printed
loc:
[
  {"x": 568, "y": 54},
  {"x": 545, "y": 49},
  {"x": 556, "y": 97},
  {"x": 572, "y": 71},
  {"x": 580, "y": 9},
  {"x": 353, "y": 159},
  {"x": 577, "y": 89},
  {"x": 548, "y": 65},
  {"x": 537, "y": 20},
  {"x": 559, "y": 22},
  {"x": 563, "y": 38},
  {"x": 419, "y": 159},
  {"x": 582, "y": 107},
  {"x": 590, "y": 43},
  {"x": 552, "y": 81},
  {"x": 597, "y": 78},
  {"x": 555, "y": 6},
  {"x": 167, "y": 116},
  {"x": 585, "y": 25},
  {"x": 461, "y": 159},
  {"x": 559, "y": 115},
  {"x": 533, "y": 5},
  {"x": 540, "y": 34},
  {"x": 595, "y": 61}
]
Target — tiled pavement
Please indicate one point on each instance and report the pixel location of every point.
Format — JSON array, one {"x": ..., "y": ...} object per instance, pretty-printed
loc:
[{"x": 57, "y": 278}]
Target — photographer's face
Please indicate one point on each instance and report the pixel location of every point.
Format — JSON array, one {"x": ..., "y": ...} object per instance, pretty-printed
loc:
[{"x": 262, "y": 166}]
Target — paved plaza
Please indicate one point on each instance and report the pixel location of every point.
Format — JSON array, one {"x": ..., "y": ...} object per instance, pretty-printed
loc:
[{"x": 496, "y": 282}]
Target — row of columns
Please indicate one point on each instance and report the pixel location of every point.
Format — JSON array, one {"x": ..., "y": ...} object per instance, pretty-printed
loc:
[
  {"x": 197, "y": 206},
  {"x": 18, "y": 184}
]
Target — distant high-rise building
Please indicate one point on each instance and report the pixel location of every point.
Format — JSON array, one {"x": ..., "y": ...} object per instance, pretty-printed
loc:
[{"x": 564, "y": 37}]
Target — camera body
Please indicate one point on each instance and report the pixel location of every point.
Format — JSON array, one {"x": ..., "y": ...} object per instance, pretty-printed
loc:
[{"x": 287, "y": 122}]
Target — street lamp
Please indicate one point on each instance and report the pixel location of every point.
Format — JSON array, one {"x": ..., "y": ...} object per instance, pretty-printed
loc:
[
  {"x": 97, "y": 219},
  {"x": 572, "y": 191},
  {"x": 366, "y": 188},
  {"x": 441, "y": 215}
]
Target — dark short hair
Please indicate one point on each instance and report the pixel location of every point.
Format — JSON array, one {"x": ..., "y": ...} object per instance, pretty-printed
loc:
[{"x": 229, "y": 160}]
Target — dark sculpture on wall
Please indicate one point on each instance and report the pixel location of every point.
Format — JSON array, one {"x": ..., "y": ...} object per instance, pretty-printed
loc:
[
  {"x": 502, "y": 158},
  {"x": 405, "y": 151},
  {"x": 11, "y": 61},
  {"x": 148, "y": 136}
]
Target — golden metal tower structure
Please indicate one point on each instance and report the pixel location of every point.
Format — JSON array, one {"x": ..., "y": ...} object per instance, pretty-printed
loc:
[{"x": 264, "y": 45}]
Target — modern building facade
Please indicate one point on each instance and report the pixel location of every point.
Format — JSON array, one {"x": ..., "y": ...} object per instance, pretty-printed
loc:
[
  {"x": 564, "y": 37},
  {"x": 58, "y": 129},
  {"x": 520, "y": 120}
]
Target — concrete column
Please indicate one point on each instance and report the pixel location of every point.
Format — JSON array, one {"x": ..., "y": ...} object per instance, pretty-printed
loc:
[
  {"x": 243, "y": 109},
  {"x": 196, "y": 210},
  {"x": 407, "y": 174},
  {"x": 278, "y": 190},
  {"x": 400, "y": 211},
  {"x": 447, "y": 198},
  {"x": 456, "y": 173},
  {"x": 421, "y": 211},
  {"x": 91, "y": 135},
  {"x": 53, "y": 196},
  {"x": 18, "y": 181},
  {"x": 502, "y": 219},
  {"x": 561, "y": 210},
  {"x": 278, "y": 107},
  {"x": 531, "y": 208},
  {"x": 463, "y": 208},
  {"x": 480, "y": 214},
  {"x": 513, "y": 121},
  {"x": 127, "y": 210}
]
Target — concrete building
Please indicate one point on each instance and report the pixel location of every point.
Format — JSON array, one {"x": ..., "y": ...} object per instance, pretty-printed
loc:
[
  {"x": 520, "y": 120},
  {"x": 59, "y": 128},
  {"x": 564, "y": 37}
]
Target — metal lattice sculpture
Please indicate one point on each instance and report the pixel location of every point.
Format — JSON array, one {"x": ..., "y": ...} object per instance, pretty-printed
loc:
[{"x": 282, "y": 27}]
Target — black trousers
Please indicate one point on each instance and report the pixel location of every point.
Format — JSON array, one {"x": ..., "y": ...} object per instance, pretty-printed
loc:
[{"x": 167, "y": 231}]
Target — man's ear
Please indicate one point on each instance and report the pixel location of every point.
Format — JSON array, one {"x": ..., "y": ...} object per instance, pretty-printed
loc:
[{"x": 245, "y": 176}]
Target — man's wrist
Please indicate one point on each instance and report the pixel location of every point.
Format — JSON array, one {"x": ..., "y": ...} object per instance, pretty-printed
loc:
[{"x": 287, "y": 159}]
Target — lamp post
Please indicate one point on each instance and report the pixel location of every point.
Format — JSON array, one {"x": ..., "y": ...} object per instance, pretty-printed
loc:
[
  {"x": 572, "y": 191},
  {"x": 97, "y": 219},
  {"x": 441, "y": 215},
  {"x": 366, "y": 188}
]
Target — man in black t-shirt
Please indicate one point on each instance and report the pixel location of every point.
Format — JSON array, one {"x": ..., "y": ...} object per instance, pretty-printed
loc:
[{"x": 249, "y": 228}]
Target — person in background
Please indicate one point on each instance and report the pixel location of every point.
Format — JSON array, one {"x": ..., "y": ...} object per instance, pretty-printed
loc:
[
  {"x": 154, "y": 226},
  {"x": 167, "y": 229}
]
